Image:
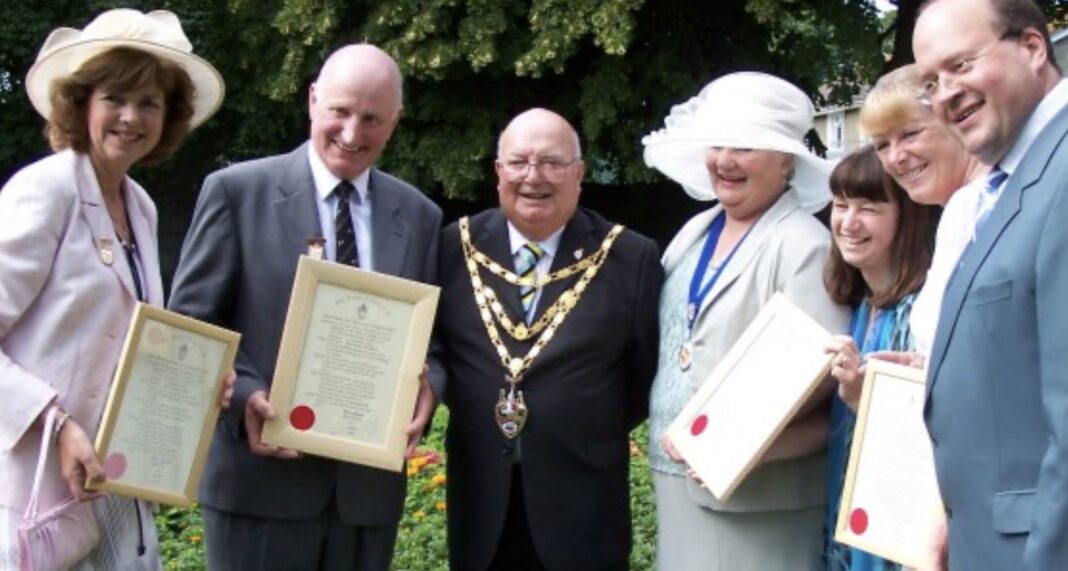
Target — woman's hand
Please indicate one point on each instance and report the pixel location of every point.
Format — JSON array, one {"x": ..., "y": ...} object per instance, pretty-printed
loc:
[
  {"x": 847, "y": 368},
  {"x": 665, "y": 442},
  {"x": 78, "y": 462}
]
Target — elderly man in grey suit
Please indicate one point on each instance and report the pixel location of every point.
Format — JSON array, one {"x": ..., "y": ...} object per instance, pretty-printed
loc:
[
  {"x": 266, "y": 507},
  {"x": 997, "y": 405}
]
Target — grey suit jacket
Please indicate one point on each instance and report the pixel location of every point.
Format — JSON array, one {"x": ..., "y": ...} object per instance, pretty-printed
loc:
[
  {"x": 252, "y": 223},
  {"x": 997, "y": 402}
]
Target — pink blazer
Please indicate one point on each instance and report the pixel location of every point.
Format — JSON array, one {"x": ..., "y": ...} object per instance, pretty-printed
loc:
[{"x": 63, "y": 311}]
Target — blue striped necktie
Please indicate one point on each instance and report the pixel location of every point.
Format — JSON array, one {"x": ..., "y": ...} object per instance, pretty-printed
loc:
[
  {"x": 989, "y": 196},
  {"x": 526, "y": 260}
]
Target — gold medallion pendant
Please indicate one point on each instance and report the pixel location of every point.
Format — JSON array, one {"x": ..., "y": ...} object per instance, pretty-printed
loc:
[{"x": 511, "y": 412}]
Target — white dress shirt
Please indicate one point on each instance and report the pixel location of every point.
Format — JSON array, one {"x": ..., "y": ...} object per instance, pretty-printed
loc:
[{"x": 359, "y": 206}]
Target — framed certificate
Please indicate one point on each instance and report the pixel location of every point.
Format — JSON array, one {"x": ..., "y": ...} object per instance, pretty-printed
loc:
[
  {"x": 161, "y": 412},
  {"x": 752, "y": 394},
  {"x": 347, "y": 375},
  {"x": 890, "y": 504}
]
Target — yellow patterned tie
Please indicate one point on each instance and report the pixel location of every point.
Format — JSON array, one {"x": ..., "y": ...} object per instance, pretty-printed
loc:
[{"x": 526, "y": 260}]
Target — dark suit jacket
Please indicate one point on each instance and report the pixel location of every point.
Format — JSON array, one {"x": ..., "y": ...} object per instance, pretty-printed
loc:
[
  {"x": 997, "y": 404},
  {"x": 585, "y": 392},
  {"x": 252, "y": 223}
]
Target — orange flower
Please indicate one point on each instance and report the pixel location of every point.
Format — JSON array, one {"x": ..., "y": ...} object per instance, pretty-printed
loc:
[
  {"x": 194, "y": 539},
  {"x": 438, "y": 480},
  {"x": 419, "y": 515},
  {"x": 440, "y": 506}
]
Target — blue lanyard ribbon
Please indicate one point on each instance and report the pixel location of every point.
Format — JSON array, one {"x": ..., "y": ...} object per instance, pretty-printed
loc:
[{"x": 697, "y": 292}]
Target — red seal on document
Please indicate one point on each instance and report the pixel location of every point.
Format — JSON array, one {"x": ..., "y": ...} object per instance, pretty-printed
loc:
[
  {"x": 699, "y": 425},
  {"x": 302, "y": 417},
  {"x": 115, "y": 465},
  {"x": 858, "y": 521}
]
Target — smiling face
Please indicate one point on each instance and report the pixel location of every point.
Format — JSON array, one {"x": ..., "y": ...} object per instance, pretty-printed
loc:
[
  {"x": 354, "y": 107},
  {"x": 864, "y": 232},
  {"x": 924, "y": 158},
  {"x": 541, "y": 199},
  {"x": 747, "y": 181},
  {"x": 123, "y": 126},
  {"x": 988, "y": 83}
]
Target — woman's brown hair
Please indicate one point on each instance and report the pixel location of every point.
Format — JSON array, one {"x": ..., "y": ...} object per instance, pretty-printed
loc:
[
  {"x": 120, "y": 69},
  {"x": 861, "y": 175}
]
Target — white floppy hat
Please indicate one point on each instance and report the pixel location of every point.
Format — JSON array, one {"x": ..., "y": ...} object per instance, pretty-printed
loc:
[
  {"x": 747, "y": 110},
  {"x": 158, "y": 33}
]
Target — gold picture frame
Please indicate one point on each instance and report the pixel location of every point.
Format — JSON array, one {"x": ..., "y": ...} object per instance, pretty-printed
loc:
[
  {"x": 751, "y": 395},
  {"x": 346, "y": 379},
  {"x": 161, "y": 411},
  {"x": 890, "y": 501}
]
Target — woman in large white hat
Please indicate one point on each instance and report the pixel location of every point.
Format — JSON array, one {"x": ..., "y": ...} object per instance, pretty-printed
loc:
[
  {"x": 78, "y": 250},
  {"x": 739, "y": 141}
]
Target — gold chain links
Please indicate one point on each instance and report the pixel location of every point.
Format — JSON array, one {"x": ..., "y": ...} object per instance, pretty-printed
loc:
[{"x": 490, "y": 307}]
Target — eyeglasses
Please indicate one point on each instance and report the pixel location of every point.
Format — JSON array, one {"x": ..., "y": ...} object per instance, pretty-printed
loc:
[
  {"x": 950, "y": 76},
  {"x": 552, "y": 169}
]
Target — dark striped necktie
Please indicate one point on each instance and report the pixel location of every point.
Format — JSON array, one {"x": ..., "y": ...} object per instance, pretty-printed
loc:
[{"x": 344, "y": 232}]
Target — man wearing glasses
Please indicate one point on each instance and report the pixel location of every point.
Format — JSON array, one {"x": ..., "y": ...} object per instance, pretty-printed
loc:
[
  {"x": 548, "y": 323},
  {"x": 997, "y": 407}
]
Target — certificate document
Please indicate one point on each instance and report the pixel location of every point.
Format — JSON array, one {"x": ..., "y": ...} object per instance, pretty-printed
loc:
[
  {"x": 890, "y": 504},
  {"x": 752, "y": 394},
  {"x": 348, "y": 371},
  {"x": 163, "y": 404}
]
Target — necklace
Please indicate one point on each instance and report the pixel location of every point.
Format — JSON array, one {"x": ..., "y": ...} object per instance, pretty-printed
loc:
[{"x": 511, "y": 410}]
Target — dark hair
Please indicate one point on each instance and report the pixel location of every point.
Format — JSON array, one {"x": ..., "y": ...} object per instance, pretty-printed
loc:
[
  {"x": 861, "y": 175},
  {"x": 122, "y": 69},
  {"x": 1011, "y": 18}
]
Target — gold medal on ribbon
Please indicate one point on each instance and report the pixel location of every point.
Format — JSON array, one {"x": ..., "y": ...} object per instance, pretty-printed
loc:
[{"x": 685, "y": 356}]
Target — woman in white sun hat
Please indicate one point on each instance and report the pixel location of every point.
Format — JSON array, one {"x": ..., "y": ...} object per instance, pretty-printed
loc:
[
  {"x": 739, "y": 142},
  {"x": 78, "y": 250}
]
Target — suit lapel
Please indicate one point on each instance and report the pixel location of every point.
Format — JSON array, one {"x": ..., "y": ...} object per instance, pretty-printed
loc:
[
  {"x": 578, "y": 235},
  {"x": 389, "y": 226},
  {"x": 1028, "y": 173},
  {"x": 96, "y": 216},
  {"x": 141, "y": 215},
  {"x": 749, "y": 249},
  {"x": 294, "y": 202},
  {"x": 492, "y": 240}
]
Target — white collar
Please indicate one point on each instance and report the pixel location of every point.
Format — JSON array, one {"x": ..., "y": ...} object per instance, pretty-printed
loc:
[
  {"x": 1053, "y": 102},
  {"x": 548, "y": 245},
  {"x": 326, "y": 181}
]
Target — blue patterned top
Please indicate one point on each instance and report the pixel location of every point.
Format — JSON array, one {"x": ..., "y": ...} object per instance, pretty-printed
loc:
[
  {"x": 889, "y": 331},
  {"x": 671, "y": 388}
]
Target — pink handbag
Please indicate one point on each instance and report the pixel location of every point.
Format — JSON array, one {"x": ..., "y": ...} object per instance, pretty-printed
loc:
[{"x": 58, "y": 538}]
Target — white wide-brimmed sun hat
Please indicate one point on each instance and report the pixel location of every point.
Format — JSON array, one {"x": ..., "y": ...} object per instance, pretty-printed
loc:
[
  {"x": 158, "y": 33},
  {"x": 747, "y": 110}
]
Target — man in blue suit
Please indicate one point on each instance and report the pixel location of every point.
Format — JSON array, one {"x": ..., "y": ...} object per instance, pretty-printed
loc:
[{"x": 997, "y": 404}]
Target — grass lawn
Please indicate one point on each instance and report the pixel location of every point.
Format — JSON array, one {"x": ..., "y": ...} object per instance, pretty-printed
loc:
[{"x": 421, "y": 538}]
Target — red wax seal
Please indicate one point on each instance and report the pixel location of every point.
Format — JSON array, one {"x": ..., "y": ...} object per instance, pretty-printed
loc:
[
  {"x": 302, "y": 417},
  {"x": 115, "y": 465},
  {"x": 858, "y": 521},
  {"x": 699, "y": 425}
]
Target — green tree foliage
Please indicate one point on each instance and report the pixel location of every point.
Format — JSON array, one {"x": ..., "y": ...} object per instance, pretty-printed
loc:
[{"x": 614, "y": 67}]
